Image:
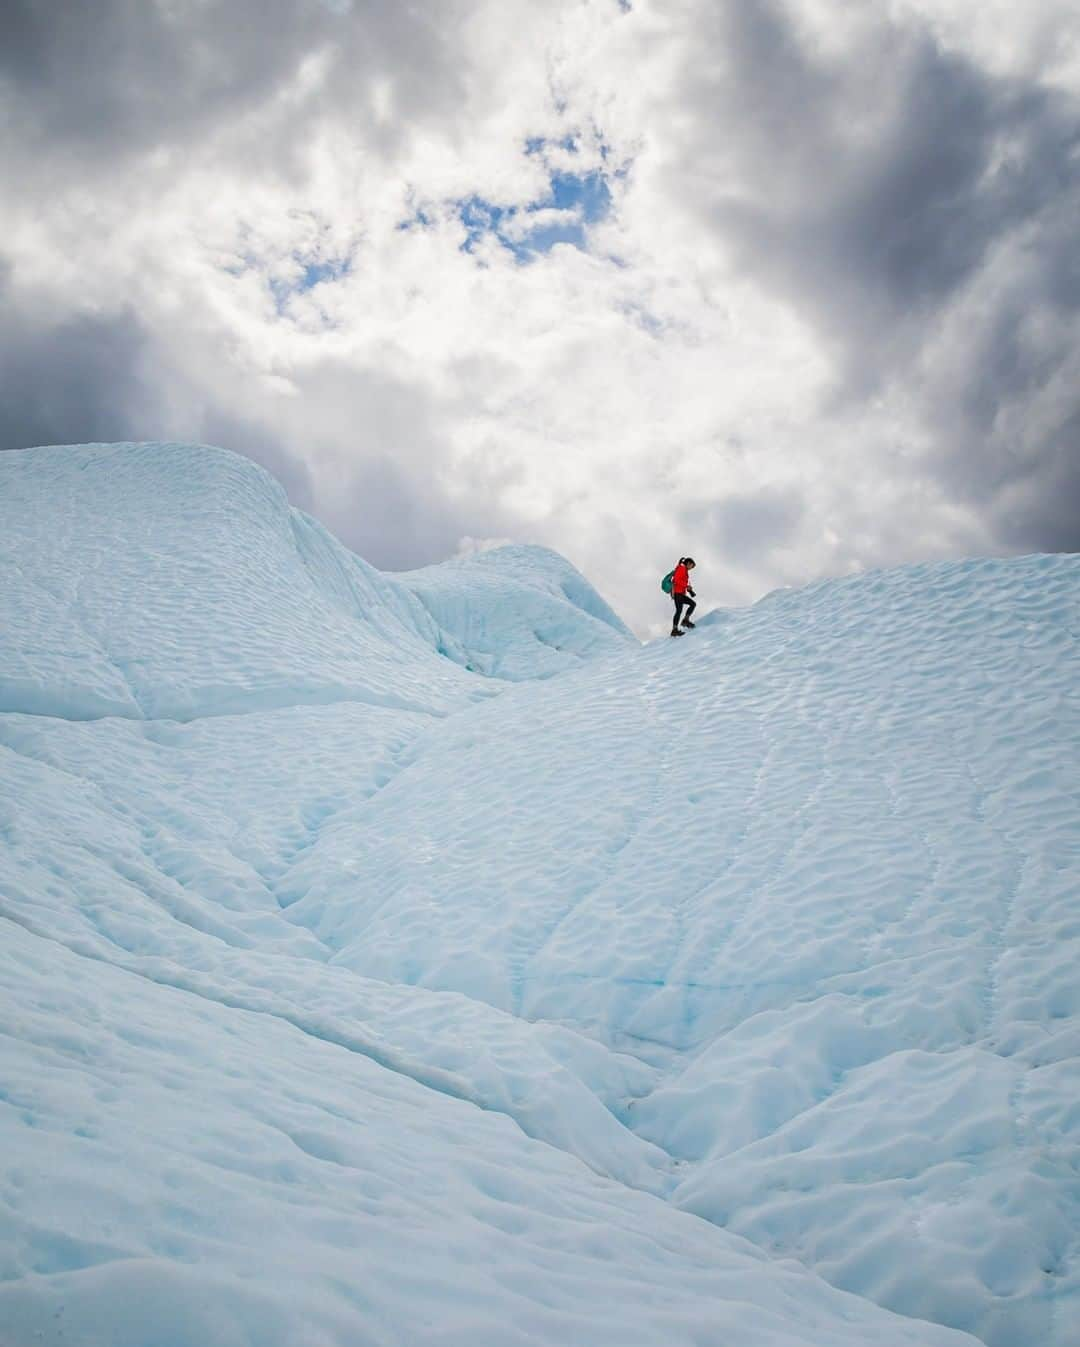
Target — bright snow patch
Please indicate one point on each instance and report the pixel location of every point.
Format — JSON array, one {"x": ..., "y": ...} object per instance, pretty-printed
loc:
[{"x": 416, "y": 959}]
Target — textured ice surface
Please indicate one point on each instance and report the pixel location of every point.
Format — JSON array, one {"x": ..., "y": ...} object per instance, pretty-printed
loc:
[
  {"x": 505, "y": 612},
  {"x": 349, "y": 995}
]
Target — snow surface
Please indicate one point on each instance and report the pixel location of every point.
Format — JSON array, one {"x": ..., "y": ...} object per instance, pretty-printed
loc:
[{"x": 417, "y": 959}]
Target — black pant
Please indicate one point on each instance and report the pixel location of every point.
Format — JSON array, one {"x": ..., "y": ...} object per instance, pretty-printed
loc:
[{"x": 682, "y": 601}]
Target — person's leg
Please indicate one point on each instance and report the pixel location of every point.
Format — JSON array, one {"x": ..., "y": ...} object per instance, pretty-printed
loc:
[
  {"x": 680, "y": 599},
  {"x": 691, "y": 604}
]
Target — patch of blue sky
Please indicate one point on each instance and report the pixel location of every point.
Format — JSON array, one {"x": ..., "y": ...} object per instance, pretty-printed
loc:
[
  {"x": 312, "y": 272},
  {"x": 481, "y": 217},
  {"x": 586, "y": 192},
  {"x": 573, "y": 201},
  {"x": 316, "y": 272}
]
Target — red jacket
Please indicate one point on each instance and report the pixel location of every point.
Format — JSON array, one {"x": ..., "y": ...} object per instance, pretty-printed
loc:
[{"x": 680, "y": 581}]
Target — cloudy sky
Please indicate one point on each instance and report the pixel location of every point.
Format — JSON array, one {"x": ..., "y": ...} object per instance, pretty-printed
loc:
[{"x": 793, "y": 285}]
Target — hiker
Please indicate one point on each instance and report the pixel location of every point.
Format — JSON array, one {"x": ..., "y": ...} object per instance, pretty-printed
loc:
[{"x": 683, "y": 594}]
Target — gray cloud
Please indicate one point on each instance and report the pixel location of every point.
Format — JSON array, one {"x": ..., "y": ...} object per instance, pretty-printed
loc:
[
  {"x": 97, "y": 84},
  {"x": 1043, "y": 515},
  {"x": 77, "y": 380},
  {"x": 747, "y": 527},
  {"x": 876, "y": 191},
  {"x": 99, "y": 377},
  {"x": 1007, "y": 410},
  {"x": 869, "y": 187},
  {"x": 384, "y": 442}
]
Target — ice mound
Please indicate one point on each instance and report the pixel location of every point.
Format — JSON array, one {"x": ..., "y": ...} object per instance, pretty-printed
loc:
[
  {"x": 168, "y": 581},
  {"x": 416, "y": 958},
  {"x": 497, "y": 607}
]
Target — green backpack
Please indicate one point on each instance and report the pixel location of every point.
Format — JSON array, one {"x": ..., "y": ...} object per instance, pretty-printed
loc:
[{"x": 665, "y": 583}]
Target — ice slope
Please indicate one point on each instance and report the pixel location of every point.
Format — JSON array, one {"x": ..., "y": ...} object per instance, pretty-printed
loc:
[
  {"x": 361, "y": 998},
  {"x": 818, "y": 866}
]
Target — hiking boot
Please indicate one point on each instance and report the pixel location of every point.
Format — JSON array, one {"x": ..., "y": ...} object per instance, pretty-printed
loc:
[{"x": 688, "y": 623}]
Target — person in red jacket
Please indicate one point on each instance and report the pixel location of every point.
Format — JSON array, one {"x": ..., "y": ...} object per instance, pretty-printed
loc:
[{"x": 683, "y": 594}]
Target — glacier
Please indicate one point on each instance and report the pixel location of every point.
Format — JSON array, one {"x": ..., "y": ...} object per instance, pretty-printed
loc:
[{"x": 418, "y": 958}]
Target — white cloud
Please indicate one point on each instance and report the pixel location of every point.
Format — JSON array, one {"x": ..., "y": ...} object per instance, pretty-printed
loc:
[
  {"x": 525, "y": 223},
  {"x": 471, "y": 547}
]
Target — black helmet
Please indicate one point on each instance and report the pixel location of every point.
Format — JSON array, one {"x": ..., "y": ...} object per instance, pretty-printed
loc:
[{"x": 689, "y": 561}]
